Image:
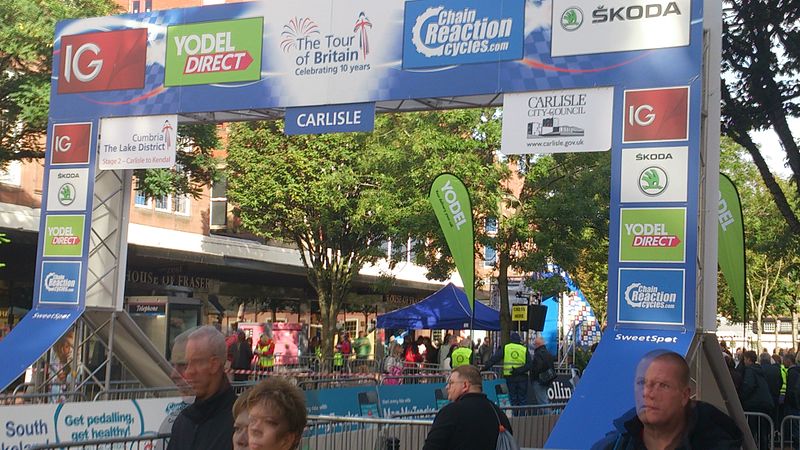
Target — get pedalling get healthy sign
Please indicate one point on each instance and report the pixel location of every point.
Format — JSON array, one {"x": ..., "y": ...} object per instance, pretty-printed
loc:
[{"x": 138, "y": 142}]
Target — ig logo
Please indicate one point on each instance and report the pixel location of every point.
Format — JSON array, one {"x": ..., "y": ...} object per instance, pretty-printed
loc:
[
  {"x": 71, "y": 63},
  {"x": 70, "y": 143},
  {"x": 642, "y": 115}
]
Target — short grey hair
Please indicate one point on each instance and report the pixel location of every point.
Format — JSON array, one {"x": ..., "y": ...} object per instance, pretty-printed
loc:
[{"x": 214, "y": 339}]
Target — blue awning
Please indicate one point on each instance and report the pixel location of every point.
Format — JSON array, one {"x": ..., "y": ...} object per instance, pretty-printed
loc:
[
  {"x": 37, "y": 332},
  {"x": 445, "y": 309}
]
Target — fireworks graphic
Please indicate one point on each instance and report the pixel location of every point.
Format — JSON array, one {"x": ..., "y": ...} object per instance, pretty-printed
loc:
[{"x": 297, "y": 28}]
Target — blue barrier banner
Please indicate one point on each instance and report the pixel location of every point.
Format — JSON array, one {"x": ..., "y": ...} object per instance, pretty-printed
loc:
[
  {"x": 463, "y": 32},
  {"x": 605, "y": 391},
  {"x": 330, "y": 119},
  {"x": 31, "y": 338}
]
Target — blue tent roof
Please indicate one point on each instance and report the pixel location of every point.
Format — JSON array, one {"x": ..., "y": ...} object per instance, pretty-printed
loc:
[{"x": 445, "y": 309}]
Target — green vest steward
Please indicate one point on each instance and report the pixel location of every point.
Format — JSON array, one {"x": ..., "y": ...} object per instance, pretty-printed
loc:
[
  {"x": 513, "y": 357},
  {"x": 784, "y": 372},
  {"x": 265, "y": 361},
  {"x": 338, "y": 359},
  {"x": 461, "y": 357}
]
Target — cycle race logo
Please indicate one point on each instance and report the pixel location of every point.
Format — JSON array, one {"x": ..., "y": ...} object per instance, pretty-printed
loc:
[
  {"x": 318, "y": 53},
  {"x": 652, "y": 235},
  {"x": 462, "y": 32},
  {"x": 651, "y": 295},
  {"x": 214, "y": 52}
]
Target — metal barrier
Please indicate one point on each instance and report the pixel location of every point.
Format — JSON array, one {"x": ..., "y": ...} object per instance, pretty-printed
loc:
[
  {"x": 422, "y": 378},
  {"x": 763, "y": 429},
  {"x": 339, "y": 382},
  {"x": 358, "y": 433},
  {"x": 790, "y": 432},
  {"x": 156, "y": 442},
  {"x": 532, "y": 424},
  {"x": 137, "y": 393},
  {"x": 28, "y": 399}
]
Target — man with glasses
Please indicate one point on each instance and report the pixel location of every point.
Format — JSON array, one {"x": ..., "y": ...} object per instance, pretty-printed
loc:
[
  {"x": 470, "y": 420},
  {"x": 206, "y": 424},
  {"x": 665, "y": 416}
]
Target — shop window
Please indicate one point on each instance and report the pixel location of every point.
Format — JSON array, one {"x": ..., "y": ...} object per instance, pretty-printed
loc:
[
  {"x": 219, "y": 204},
  {"x": 489, "y": 256},
  {"x": 148, "y": 5},
  {"x": 135, "y": 6}
]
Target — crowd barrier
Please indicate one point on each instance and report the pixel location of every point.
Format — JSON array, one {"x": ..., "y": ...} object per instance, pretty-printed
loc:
[
  {"x": 157, "y": 442},
  {"x": 790, "y": 432},
  {"x": 346, "y": 433},
  {"x": 763, "y": 429}
]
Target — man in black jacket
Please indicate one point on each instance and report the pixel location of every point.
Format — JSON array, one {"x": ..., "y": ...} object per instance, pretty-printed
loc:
[
  {"x": 665, "y": 417},
  {"x": 756, "y": 397},
  {"x": 207, "y": 424},
  {"x": 470, "y": 421}
]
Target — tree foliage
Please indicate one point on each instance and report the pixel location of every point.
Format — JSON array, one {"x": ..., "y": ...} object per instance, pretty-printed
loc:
[{"x": 761, "y": 85}]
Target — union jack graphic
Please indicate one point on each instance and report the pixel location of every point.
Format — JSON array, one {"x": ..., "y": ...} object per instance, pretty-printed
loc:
[{"x": 362, "y": 23}]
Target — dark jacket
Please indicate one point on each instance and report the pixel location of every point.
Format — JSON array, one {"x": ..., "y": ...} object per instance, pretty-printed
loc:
[
  {"x": 772, "y": 373},
  {"x": 792, "y": 399},
  {"x": 708, "y": 428},
  {"x": 206, "y": 424},
  {"x": 755, "y": 395},
  {"x": 518, "y": 373},
  {"x": 469, "y": 423},
  {"x": 242, "y": 355},
  {"x": 542, "y": 360}
]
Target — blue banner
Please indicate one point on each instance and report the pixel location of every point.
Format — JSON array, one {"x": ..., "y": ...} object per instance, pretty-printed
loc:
[
  {"x": 31, "y": 338},
  {"x": 605, "y": 391},
  {"x": 462, "y": 32},
  {"x": 330, "y": 119}
]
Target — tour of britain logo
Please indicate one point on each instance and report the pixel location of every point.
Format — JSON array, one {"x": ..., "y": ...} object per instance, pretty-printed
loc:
[
  {"x": 319, "y": 53},
  {"x": 572, "y": 18}
]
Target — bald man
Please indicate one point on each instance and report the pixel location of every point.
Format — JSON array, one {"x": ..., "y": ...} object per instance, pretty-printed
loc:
[{"x": 665, "y": 417}]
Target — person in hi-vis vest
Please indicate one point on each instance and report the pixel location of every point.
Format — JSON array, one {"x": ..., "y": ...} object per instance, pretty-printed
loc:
[
  {"x": 517, "y": 361},
  {"x": 462, "y": 355},
  {"x": 265, "y": 349}
]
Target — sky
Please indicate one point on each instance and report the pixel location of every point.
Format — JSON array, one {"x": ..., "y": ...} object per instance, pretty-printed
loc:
[{"x": 771, "y": 147}]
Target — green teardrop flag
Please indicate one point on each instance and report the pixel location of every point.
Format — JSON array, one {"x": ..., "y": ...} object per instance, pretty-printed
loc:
[
  {"x": 730, "y": 248},
  {"x": 451, "y": 203}
]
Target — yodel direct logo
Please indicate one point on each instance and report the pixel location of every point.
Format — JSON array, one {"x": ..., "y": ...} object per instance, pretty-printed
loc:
[
  {"x": 462, "y": 32},
  {"x": 214, "y": 52},
  {"x": 651, "y": 235}
]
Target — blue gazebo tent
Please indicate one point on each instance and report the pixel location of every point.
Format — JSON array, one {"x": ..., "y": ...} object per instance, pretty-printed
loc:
[{"x": 445, "y": 309}]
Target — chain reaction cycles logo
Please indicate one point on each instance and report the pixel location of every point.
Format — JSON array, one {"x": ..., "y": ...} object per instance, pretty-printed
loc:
[
  {"x": 639, "y": 295},
  {"x": 331, "y": 53}
]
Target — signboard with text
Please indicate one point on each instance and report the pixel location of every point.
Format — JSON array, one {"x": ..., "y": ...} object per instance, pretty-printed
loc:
[{"x": 138, "y": 142}]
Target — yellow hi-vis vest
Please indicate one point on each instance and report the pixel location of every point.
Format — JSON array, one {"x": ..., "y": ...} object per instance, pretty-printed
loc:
[
  {"x": 784, "y": 372},
  {"x": 461, "y": 357},
  {"x": 513, "y": 357},
  {"x": 338, "y": 359},
  {"x": 265, "y": 361}
]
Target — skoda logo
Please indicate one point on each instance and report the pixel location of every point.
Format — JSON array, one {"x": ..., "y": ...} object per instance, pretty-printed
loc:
[
  {"x": 572, "y": 18},
  {"x": 66, "y": 194},
  {"x": 653, "y": 181}
]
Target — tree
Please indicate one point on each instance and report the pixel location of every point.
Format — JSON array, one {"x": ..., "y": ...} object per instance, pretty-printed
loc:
[
  {"x": 27, "y": 28},
  {"x": 761, "y": 85},
  {"x": 567, "y": 197},
  {"x": 318, "y": 192},
  {"x": 770, "y": 245}
]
